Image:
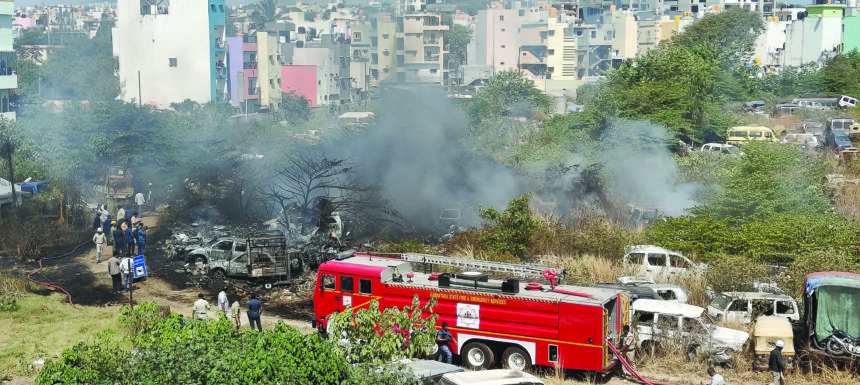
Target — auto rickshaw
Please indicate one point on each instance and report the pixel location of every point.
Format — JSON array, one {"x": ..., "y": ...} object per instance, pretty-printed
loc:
[{"x": 769, "y": 329}]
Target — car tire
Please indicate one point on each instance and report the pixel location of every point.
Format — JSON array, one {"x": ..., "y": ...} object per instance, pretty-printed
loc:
[
  {"x": 516, "y": 358},
  {"x": 478, "y": 356},
  {"x": 219, "y": 275}
]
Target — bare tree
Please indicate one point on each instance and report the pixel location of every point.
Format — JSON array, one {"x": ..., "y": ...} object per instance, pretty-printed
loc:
[{"x": 310, "y": 189}]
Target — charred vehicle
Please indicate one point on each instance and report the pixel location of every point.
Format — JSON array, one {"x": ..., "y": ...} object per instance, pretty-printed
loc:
[{"x": 264, "y": 259}]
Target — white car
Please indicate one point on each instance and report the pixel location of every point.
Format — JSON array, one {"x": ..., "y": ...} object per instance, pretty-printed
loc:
[
  {"x": 744, "y": 307},
  {"x": 667, "y": 291},
  {"x": 722, "y": 148},
  {"x": 662, "y": 323},
  {"x": 491, "y": 377},
  {"x": 655, "y": 261}
]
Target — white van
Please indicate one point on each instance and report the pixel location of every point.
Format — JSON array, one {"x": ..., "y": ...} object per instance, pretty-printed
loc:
[
  {"x": 745, "y": 307},
  {"x": 662, "y": 324},
  {"x": 846, "y": 101},
  {"x": 655, "y": 260}
]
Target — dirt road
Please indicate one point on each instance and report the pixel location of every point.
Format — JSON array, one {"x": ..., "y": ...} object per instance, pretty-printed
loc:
[{"x": 90, "y": 284}]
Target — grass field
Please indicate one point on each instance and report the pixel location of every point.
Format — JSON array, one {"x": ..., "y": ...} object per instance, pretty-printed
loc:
[{"x": 44, "y": 325}]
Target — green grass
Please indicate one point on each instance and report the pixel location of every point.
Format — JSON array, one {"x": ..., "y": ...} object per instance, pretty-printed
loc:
[{"x": 42, "y": 327}]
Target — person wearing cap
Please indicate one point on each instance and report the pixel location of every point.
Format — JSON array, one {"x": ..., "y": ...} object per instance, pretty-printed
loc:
[
  {"x": 443, "y": 338},
  {"x": 716, "y": 379},
  {"x": 628, "y": 348},
  {"x": 107, "y": 225},
  {"x": 99, "y": 239},
  {"x": 777, "y": 369}
]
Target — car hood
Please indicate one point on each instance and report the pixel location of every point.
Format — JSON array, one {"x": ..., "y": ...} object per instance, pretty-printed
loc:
[{"x": 728, "y": 337}]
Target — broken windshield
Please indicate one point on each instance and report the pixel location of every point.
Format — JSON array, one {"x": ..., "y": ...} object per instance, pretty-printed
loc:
[{"x": 721, "y": 301}]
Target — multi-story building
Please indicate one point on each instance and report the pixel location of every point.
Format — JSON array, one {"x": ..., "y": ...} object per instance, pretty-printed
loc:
[
  {"x": 496, "y": 42},
  {"x": 815, "y": 38},
  {"x": 8, "y": 78},
  {"x": 770, "y": 44},
  {"x": 268, "y": 70},
  {"x": 561, "y": 54},
  {"x": 419, "y": 49},
  {"x": 851, "y": 29},
  {"x": 171, "y": 52},
  {"x": 533, "y": 52}
]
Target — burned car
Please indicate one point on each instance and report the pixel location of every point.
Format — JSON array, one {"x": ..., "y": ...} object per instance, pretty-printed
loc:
[{"x": 263, "y": 259}]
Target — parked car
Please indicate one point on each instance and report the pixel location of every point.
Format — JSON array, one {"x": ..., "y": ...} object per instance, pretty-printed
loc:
[
  {"x": 661, "y": 324},
  {"x": 744, "y": 307},
  {"x": 636, "y": 291},
  {"x": 430, "y": 372},
  {"x": 837, "y": 140},
  {"x": 768, "y": 330},
  {"x": 839, "y": 123},
  {"x": 491, "y": 377},
  {"x": 804, "y": 140},
  {"x": 655, "y": 260},
  {"x": 665, "y": 291},
  {"x": 721, "y": 148},
  {"x": 743, "y": 134}
]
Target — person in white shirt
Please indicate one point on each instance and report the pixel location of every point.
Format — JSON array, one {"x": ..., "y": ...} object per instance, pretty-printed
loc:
[
  {"x": 126, "y": 267},
  {"x": 139, "y": 200},
  {"x": 200, "y": 308},
  {"x": 716, "y": 379},
  {"x": 223, "y": 302},
  {"x": 120, "y": 214},
  {"x": 99, "y": 239}
]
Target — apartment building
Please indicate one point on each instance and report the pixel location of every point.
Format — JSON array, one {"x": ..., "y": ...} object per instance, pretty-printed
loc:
[
  {"x": 171, "y": 52},
  {"x": 851, "y": 29},
  {"x": 816, "y": 37},
  {"x": 419, "y": 49},
  {"x": 496, "y": 39},
  {"x": 8, "y": 78}
]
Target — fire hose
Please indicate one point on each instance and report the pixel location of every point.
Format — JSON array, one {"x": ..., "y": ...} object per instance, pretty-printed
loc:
[
  {"x": 51, "y": 285},
  {"x": 623, "y": 360}
]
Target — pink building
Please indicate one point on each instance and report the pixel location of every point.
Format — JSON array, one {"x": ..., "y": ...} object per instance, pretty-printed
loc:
[{"x": 301, "y": 79}]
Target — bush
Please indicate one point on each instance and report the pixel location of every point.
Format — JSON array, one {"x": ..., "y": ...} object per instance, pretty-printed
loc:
[
  {"x": 171, "y": 350},
  {"x": 821, "y": 260},
  {"x": 509, "y": 231},
  {"x": 735, "y": 273}
]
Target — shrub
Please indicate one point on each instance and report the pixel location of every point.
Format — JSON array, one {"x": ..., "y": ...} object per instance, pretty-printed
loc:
[
  {"x": 735, "y": 273},
  {"x": 821, "y": 260},
  {"x": 509, "y": 231}
]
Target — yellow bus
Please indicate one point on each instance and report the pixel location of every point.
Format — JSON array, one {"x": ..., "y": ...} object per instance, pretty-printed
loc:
[{"x": 742, "y": 134}]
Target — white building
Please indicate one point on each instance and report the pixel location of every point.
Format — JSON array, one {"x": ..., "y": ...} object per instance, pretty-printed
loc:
[
  {"x": 816, "y": 37},
  {"x": 497, "y": 38},
  {"x": 171, "y": 51},
  {"x": 8, "y": 78}
]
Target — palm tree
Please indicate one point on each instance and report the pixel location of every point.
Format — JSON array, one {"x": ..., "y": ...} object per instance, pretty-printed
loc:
[{"x": 264, "y": 12}]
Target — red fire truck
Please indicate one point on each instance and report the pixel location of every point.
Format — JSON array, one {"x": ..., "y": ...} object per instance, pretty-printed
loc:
[{"x": 521, "y": 323}]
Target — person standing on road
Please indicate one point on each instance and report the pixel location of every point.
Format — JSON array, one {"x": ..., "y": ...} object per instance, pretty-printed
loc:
[
  {"x": 107, "y": 226},
  {"x": 134, "y": 219},
  {"x": 140, "y": 201},
  {"x": 115, "y": 274},
  {"x": 118, "y": 240},
  {"x": 223, "y": 302},
  {"x": 125, "y": 266},
  {"x": 443, "y": 338},
  {"x": 141, "y": 237},
  {"x": 234, "y": 313},
  {"x": 99, "y": 239},
  {"x": 200, "y": 308},
  {"x": 120, "y": 213},
  {"x": 775, "y": 364},
  {"x": 716, "y": 379},
  {"x": 628, "y": 348},
  {"x": 129, "y": 238},
  {"x": 97, "y": 222},
  {"x": 255, "y": 310}
]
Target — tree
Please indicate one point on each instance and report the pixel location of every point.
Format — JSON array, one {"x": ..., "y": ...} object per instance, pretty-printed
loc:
[
  {"x": 310, "y": 188},
  {"x": 295, "y": 107},
  {"x": 457, "y": 38},
  {"x": 376, "y": 337},
  {"x": 507, "y": 93},
  {"x": 265, "y": 11},
  {"x": 730, "y": 34},
  {"x": 509, "y": 231},
  {"x": 81, "y": 69}
]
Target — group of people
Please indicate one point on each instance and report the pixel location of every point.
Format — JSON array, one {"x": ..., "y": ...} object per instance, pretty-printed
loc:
[
  {"x": 129, "y": 235},
  {"x": 121, "y": 271},
  {"x": 775, "y": 362},
  {"x": 200, "y": 309}
]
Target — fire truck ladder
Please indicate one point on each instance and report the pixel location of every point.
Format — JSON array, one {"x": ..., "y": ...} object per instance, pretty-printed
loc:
[{"x": 478, "y": 265}]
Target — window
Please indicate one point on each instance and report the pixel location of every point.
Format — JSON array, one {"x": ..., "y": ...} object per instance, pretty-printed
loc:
[
  {"x": 221, "y": 8},
  {"x": 173, "y": 62},
  {"x": 225, "y": 245},
  {"x": 784, "y": 307},
  {"x": 433, "y": 70},
  {"x": 271, "y": 59},
  {"x": 328, "y": 282},
  {"x": 356, "y": 36},
  {"x": 667, "y": 322},
  {"x": 501, "y": 63},
  {"x": 644, "y": 318},
  {"x": 693, "y": 326},
  {"x": 501, "y": 17},
  {"x": 657, "y": 259},
  {"x": 346, "y": 283},
  {"x": 365, "y": 286},
  {"x": 212, "y": 7},
  {"x": 503, "y": 30},
  {"x": 762, "y": 307},
  {"x": 551, "y": 52},
  {"x": 678, "y": 261},
  {"x": 553, "y": 353},
  {"x": 385, "y": 36},
  {"x": 636, "y": 258},
  {"x": 739, "y": 305},
  {"x": 551, "y": 32},
  {"x": 667, "y": 294},
  {"x": 241, "y": 247}
]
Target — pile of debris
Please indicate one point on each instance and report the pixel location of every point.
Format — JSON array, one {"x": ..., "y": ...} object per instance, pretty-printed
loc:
[{"x": 186, "y": 237}]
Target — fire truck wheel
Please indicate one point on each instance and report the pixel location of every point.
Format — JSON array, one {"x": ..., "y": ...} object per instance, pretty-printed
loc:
[
  {"x": 516, "y": 358},
  {"x": 477, "y": 355}
]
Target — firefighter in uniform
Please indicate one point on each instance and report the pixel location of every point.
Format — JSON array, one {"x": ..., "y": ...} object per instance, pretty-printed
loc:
[{"x": 628, "y": 348}]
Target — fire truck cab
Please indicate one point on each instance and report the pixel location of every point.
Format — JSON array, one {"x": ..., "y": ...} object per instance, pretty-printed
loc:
[{"x": 516, "y": 322}]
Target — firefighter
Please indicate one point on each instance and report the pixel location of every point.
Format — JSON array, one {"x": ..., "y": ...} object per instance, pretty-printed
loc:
[
  {"x": 443, "y": 338},
  {"x": 628, "y": 348}
]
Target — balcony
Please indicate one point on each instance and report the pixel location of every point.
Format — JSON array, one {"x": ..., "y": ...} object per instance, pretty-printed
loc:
[
  {"x": 434, "y": 41},
  {"x": 432, "y": 58},
  {"x": 249, "y": 65},
  {"x": 220, "y": 72}
]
